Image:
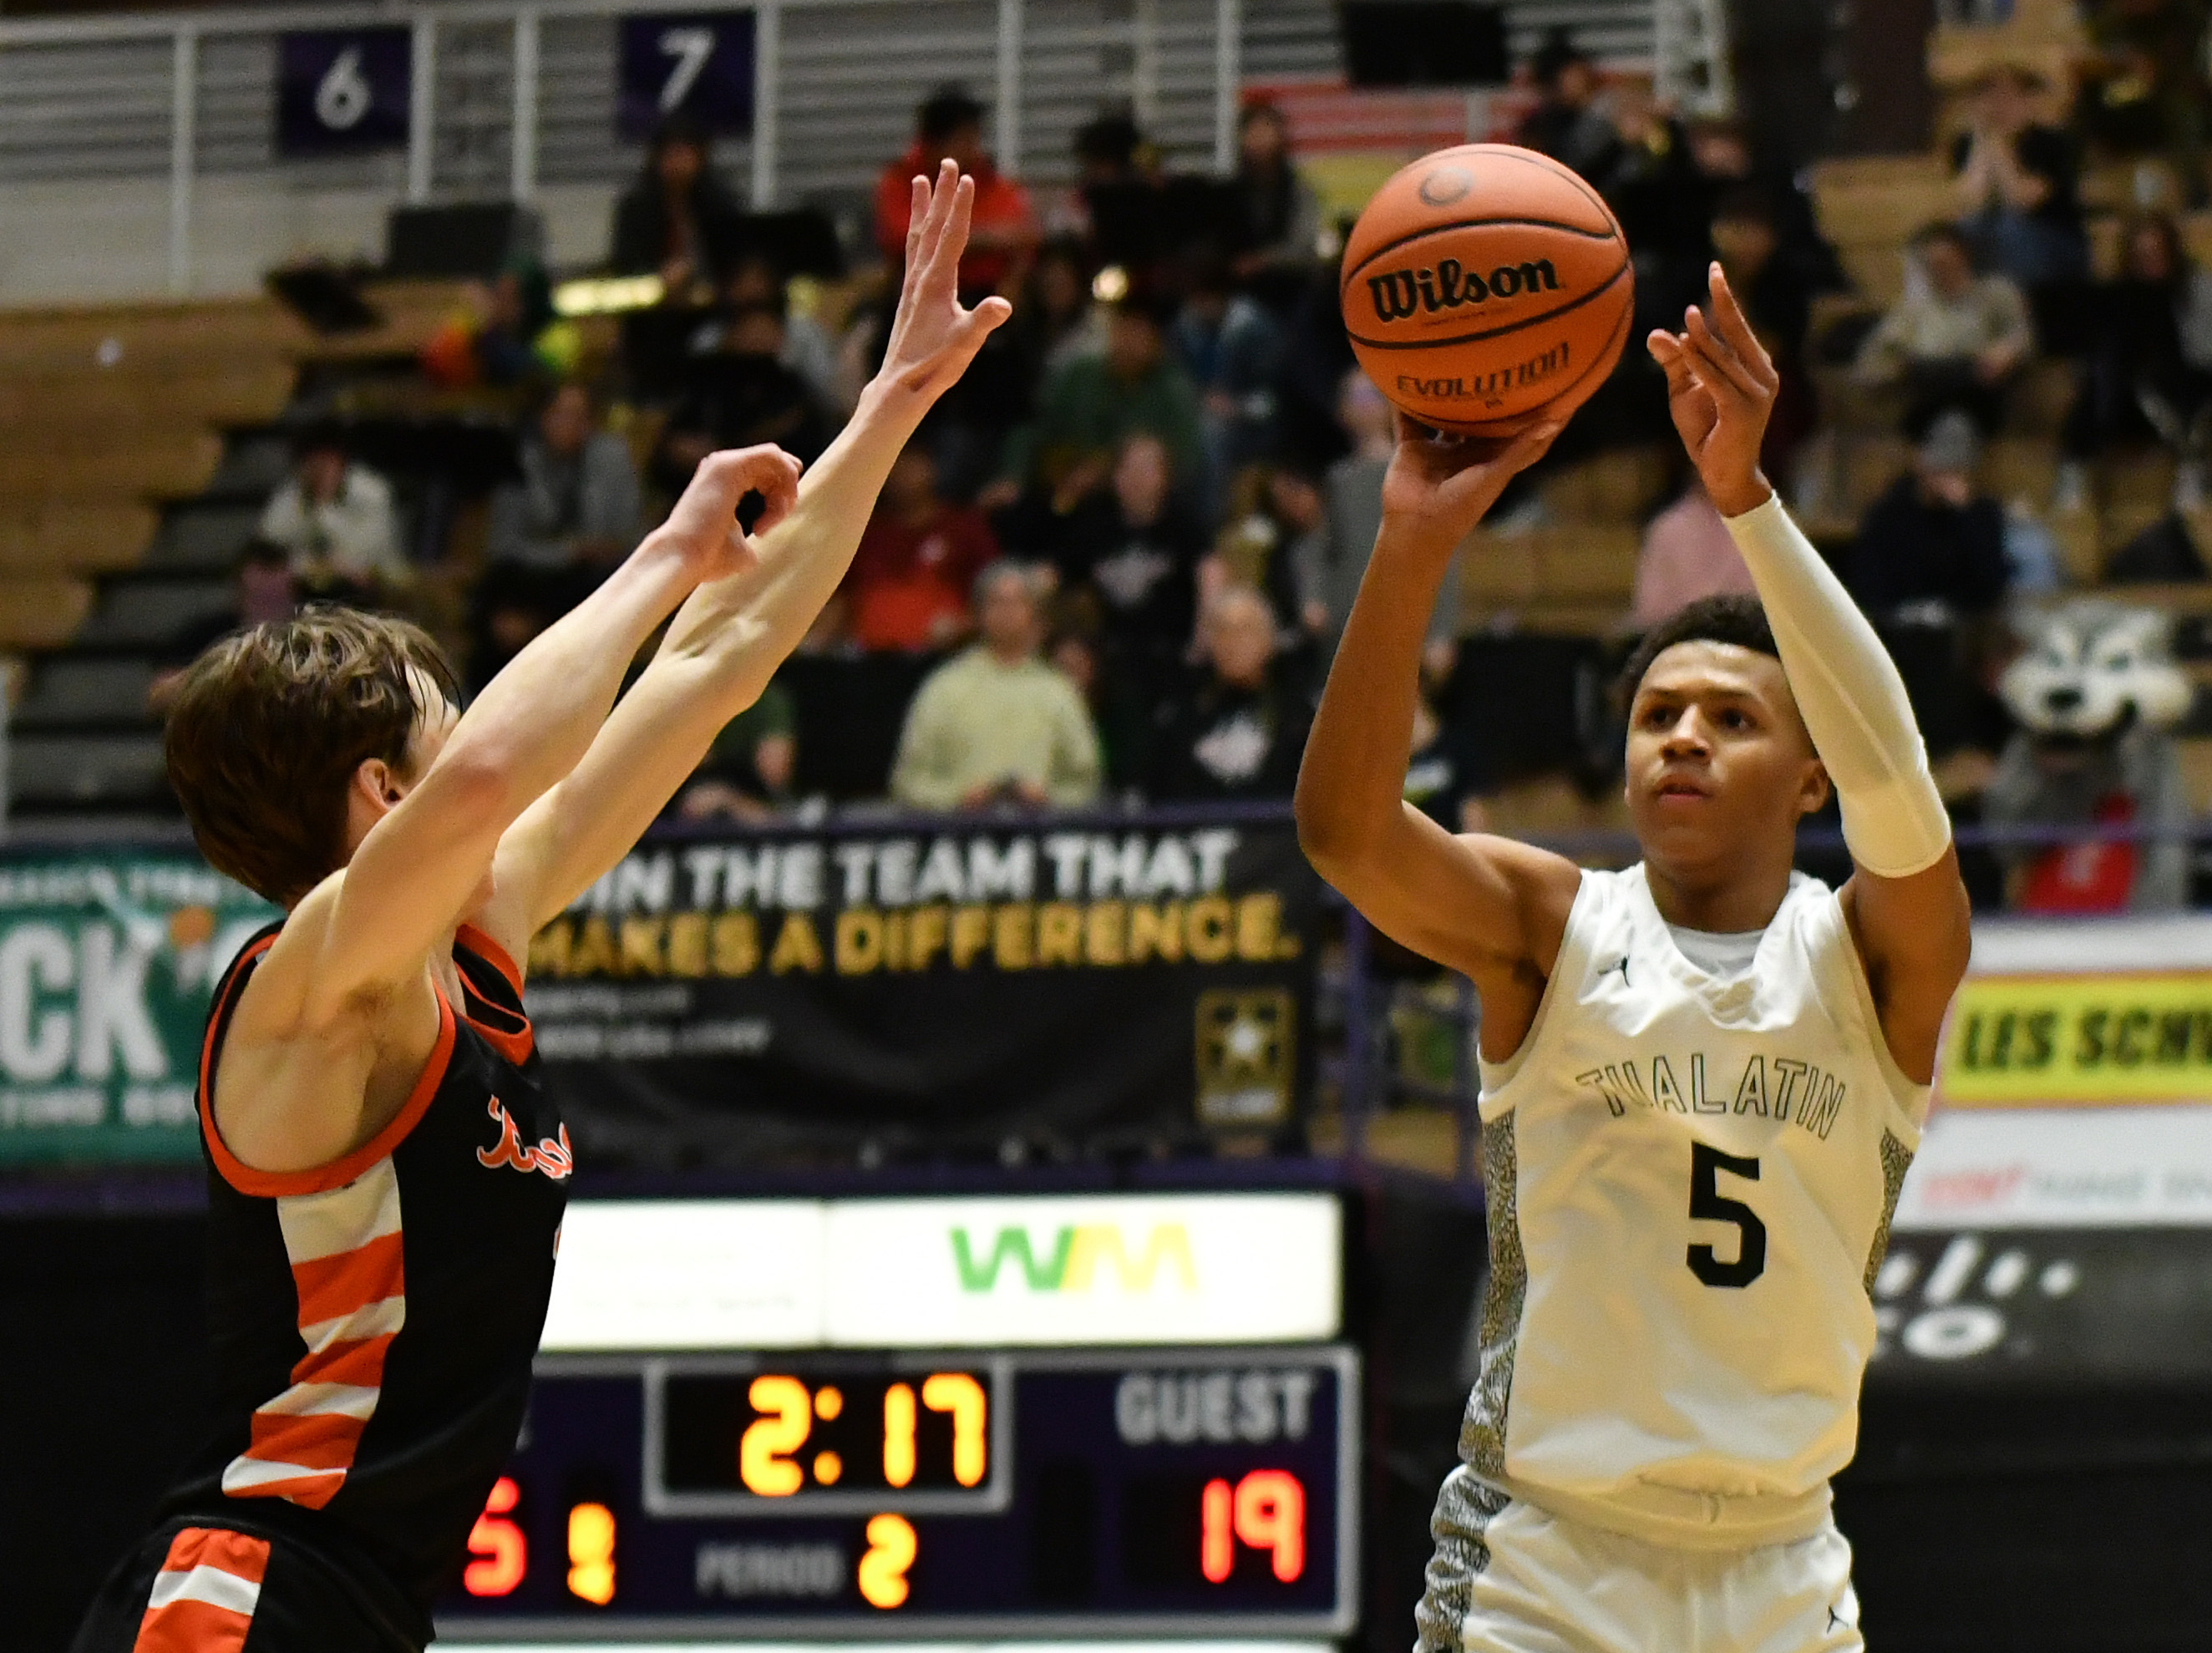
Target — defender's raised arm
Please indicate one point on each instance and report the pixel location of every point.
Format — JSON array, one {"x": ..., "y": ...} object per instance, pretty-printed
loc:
[{"x": 734, "y": 631}]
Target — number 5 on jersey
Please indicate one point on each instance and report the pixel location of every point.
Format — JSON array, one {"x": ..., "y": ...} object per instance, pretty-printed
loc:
[{"x": 1709, "y": 1205}]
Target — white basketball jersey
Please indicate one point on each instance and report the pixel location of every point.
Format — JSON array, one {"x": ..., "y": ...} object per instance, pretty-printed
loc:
[{"x": 1690, "y": 1184}]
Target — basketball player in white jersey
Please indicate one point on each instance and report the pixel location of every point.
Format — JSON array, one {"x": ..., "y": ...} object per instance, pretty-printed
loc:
[{"x": 1703, "y": 1077}]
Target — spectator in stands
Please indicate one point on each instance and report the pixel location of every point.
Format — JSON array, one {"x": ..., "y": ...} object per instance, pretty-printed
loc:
[
  {"x": 1686, "y": 553},
  {"x": 678, "y": 220},
  {"x": 1647, "y": 176},
  {"x": 1777, "y": 299},
  {"x": 747, "y": 775},
  {"x": 1110, "y": 149},
  {"x": 1954, "y": 340},
  {"x": 2013, "y": 179},
  {"x": 739, "y": 393},
  {"x": 1566, "y": 124},
  {"x": 1447, "y": 775},
  {"x": 1241, "y": 731},
  {"x": 263, "y": 589},
  {"x": 335, "y": 518},
  {"x": 1232, "y": 350},
  {"x": 995, "y": 725},
  {"x": 1278, "y": 215},
  {"x": 1275, "y": 533},
  {"x": 1120, "y": 707},
  {"x": 2144, "y": 94},
  {"x": 2150, "y": 372},
  {"x": 555, "y": 531},
  {"x": 575, "y": 504},
  {"x": 1136, "y": 549},
  {"x": 1328, "y": 565},
  {"x": 1723, "y": 155},
  {"x": 1932, "y": 547},
  {"x": 1054, "y": 319},
  {"x": 1092, "y": 405},
  {"x": 1316, "y": 354},
  {"x": 908, "y": 588},
  {"x": 808, "y": 350},
  {"x": 1003, "y": 232},
  {"x": 506, "y": 334}
]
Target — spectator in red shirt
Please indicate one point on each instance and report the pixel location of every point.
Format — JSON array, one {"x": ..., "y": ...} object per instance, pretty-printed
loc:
[
  {"x": 1004, "y": 234},
  {"x": 910, "y": 578}
]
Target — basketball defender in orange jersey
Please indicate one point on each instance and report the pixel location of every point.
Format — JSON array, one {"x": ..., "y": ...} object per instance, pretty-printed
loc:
[{"x": 387, "y": 1174}]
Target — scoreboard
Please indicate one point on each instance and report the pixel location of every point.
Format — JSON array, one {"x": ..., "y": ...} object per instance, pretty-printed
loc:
[{"x": 1093, "y": 1416}]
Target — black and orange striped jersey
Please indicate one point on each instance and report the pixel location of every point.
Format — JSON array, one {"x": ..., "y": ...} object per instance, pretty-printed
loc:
[{"x": 373, "y": 1322}]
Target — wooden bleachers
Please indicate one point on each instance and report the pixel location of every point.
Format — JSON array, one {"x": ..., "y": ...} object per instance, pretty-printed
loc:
[
  {"x": 1573, "y": 575},
  {"x": 251, "y": 393},
  {"x": 1571, "y": 580},
  {"x": 107, "y": 412},
  {"x": 41, "y": 611},
  {"x": 1869, "y": 206},
  {"x": 73, "y": 537}
]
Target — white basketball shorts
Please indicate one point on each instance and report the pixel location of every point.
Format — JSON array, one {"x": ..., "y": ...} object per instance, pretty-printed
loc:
[{"x": 1552, "y": 1585}]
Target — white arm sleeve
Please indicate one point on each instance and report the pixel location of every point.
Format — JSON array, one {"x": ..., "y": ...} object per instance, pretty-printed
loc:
[{"x": 1850, "y": 697}]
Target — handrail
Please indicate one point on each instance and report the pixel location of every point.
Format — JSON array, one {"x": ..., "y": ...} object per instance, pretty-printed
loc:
[
  {"x": 1211, "y": 68},
  {"x": 352, "y": 14}
]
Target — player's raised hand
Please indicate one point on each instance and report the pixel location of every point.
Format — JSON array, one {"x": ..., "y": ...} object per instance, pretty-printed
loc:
[
  {"x": 1440, "y": 486},
  {"x": 1720, "y": 387},
  {"x": 933, "y": 337},
  {"x": 703, "y": 529}
]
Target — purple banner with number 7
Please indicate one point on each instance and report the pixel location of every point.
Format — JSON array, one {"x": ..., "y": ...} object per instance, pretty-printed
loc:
[{"x": 699, "y": 64}]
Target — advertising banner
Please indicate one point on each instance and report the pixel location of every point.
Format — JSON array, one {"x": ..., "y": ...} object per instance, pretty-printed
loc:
[
  {"x": 707, "y": 1001},
  {"x": 2080, "y": 1041},
  {"x": 107, "y": 960},
  {"x": 982, "y": 1273},
  {"x": 2056, "y": 1228}
]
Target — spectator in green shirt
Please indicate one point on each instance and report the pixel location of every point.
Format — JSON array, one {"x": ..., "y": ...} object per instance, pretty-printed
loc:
[
  {"x": 995, "y": 725},
  {"x": 747, "y": 774},
  {"x": 1091, "y": 403}
]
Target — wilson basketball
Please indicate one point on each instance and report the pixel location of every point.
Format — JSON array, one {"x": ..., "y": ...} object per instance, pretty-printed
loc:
[{"x": 1483, "y": 283}]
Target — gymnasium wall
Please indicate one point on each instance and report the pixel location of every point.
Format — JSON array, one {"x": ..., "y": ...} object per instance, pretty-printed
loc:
[
  {"x": 88, "y": 175},
  {"x": 70, "y": 241}
]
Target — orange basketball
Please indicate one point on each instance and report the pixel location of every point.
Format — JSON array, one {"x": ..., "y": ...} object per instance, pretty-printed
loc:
[{"x": 1483, "y": 283}]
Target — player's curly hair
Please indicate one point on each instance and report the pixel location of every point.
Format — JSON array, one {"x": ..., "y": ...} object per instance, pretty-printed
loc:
[
  {"x": 1730, "y": 617},
  {"x": 267, "y": 727}
]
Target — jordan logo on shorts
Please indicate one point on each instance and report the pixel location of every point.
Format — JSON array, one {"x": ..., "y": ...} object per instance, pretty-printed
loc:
[{"x": 551, "y": 1156}]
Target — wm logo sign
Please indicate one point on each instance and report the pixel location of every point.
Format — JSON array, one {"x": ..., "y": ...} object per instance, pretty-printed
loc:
[{"x": 1074, "y": 1261}]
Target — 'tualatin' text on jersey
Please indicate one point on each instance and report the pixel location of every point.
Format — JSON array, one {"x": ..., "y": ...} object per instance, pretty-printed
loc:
[{"x": 1690, "y": 1182}]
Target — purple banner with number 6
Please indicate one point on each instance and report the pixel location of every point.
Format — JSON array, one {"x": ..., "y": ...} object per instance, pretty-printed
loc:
[{"x": 342, "y": 91}]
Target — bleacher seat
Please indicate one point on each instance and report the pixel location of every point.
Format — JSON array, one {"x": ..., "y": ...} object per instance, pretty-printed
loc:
[
  {"x": 74, "y": 537},
  {"x": 42, "y": 612},
  {"x": 71, "y": 693},
  {"x": 78, "y": 770}
]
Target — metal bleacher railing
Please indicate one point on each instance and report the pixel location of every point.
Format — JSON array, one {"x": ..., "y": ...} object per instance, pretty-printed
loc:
[{"x": 512, "y": 96}]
